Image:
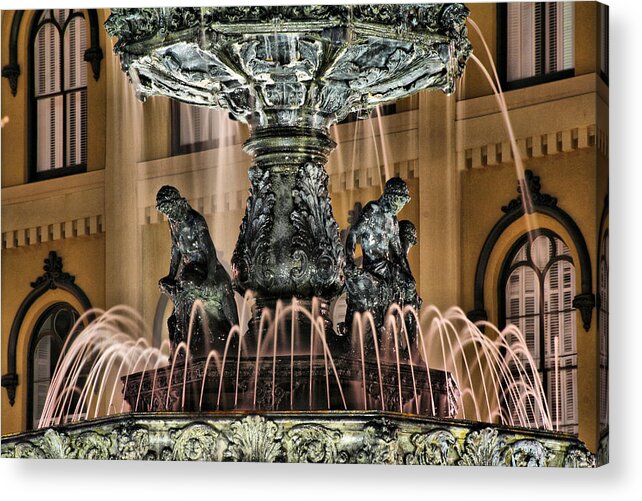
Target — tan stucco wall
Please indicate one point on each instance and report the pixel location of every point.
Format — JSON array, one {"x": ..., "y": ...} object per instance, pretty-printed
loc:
[{"x": 84, "y": 258}]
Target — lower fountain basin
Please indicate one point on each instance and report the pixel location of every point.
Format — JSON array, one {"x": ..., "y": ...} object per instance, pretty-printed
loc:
[
  {"x": 300, "y": 383},
  {"x": 371, "y": 437}
]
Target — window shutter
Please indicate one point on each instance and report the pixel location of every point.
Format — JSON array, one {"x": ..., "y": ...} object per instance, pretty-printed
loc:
[
  {"x": 46, "y": 56},
  {"x": 49, "y": 125},
  {"x": 76, "y": 78},
  {"x": 552, "y": 36},
  {"x": 41, "y": 376},
  {"x": 569, "y": 412},
  {"x": 547, "y": 254},
  {"x": 75, "y": 47},
  {"x": 49, "y": 109},
  {"x": 514, "y": 41},
  {"x": 604, "y": 333},
  {"x": 568, "y": 35},
  {"x": 61, "y": 16}
]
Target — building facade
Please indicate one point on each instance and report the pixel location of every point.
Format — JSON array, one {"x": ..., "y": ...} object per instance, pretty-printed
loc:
[{"x": 82, "y": 161}]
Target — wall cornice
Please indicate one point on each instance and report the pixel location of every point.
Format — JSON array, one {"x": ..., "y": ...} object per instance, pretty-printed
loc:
[
  {"x": 56, "y": 209},
  {"x": 548, "y": 119}
]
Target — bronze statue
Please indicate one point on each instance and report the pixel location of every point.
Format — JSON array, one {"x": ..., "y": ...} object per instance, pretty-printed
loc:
[
  {"x": 195, "y": 273},
  {"x": 374, "y": 287}
]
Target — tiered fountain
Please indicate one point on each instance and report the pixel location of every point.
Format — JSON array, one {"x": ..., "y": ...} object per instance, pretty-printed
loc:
[{"x": 286, "y": 386}]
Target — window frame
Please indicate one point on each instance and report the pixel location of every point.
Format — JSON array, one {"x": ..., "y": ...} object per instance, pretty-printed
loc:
[
  {"x": 32, "y": 133},
  {"x": 36, "y": 337},
  {"x": 504, "y": 276},
  {"x": 502, "y": 57}
]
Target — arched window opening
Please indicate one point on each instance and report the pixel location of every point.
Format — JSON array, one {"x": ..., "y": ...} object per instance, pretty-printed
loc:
[
  {"x": 58, "y": 94},
  {"x": 536, "y": 295},
  {"x": 52, "y": 330}
]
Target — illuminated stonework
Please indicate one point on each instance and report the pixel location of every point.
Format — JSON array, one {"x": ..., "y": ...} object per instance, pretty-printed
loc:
[{"x": 328, "y": 437}]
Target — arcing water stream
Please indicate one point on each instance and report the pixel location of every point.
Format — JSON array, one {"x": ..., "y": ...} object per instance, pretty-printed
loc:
[
  {"x": 496, "y": 377},
  {"x": 494, "y": 370}
]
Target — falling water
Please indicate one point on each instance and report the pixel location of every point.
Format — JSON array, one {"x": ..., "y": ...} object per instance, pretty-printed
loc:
[
  {"x": 517, "y": 156},
  {"x": 112, "y": 350}
]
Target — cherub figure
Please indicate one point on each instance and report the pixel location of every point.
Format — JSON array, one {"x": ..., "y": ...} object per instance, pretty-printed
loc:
[{"x": 405, "y": 282}]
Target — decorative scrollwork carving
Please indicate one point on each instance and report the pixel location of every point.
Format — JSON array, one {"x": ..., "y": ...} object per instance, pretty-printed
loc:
[
  {"x": 197, "y": 442},
  {"x": 314, "y": 438},
  {"x": 53, "y": 272},
  {"x": 379, "y": 444},
  {"x": 437, "y": 447},
  {"x": 313, "y": 443},
  {"x": 482, "y": 448},
  {"x": 255, "y": 439},
  {"x": 132, "y": 24},
  {"x": 253, "y": 246},
  {"x": 133, "y": 443},
  {"x": 529, "y": 190},
  {"x": 524, "y": 453},
  {"x": 91, "y": 445},
  {"x": 579, "y": 457},
  {"x": 316, "y": 234}
]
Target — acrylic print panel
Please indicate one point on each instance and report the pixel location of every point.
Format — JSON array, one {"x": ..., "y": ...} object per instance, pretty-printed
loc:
[{"x": 307, "y": 233}]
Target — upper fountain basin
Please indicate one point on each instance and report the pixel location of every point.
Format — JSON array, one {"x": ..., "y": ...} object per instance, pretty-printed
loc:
[{"x": 301, "y": 66}]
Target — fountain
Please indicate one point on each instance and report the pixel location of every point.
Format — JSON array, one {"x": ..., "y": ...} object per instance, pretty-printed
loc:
[{"x": 284, "y": 384}]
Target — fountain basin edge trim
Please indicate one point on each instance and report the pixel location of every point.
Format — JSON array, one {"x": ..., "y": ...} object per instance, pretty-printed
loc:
[{"x": 357, "y": 437}]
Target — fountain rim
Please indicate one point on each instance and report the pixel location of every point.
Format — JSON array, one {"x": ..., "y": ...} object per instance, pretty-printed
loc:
[{"x": 347, "y": 415}]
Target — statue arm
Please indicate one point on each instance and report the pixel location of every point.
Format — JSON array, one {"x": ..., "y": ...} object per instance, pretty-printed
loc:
[
  {"x": 167, "y": 284},
  {"x": 351, "y": 245},
  {"x": 399, "y": 256},
  {"x": 174, "y": 260}
]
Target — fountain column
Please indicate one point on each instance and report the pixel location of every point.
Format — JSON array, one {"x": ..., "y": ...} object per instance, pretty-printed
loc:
[{"x": 289, "y": 244}]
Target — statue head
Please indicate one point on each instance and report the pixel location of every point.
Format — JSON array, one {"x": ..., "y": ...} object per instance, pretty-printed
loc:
[
  {"x": 395, "y": 194},
  {"x": 170, "y": 202},
  {"x": 407, "y": 234}
]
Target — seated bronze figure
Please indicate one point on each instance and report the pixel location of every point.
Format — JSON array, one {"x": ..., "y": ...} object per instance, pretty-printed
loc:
[{"x": 195, "y": 274}]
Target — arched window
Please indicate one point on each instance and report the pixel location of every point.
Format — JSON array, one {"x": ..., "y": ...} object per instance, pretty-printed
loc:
[
  {"x": 603, "y": 326},
  {"x": 537, "y": 289},
  {"x": 58, "y": 94},
  {"x": 52, "y": 329}
]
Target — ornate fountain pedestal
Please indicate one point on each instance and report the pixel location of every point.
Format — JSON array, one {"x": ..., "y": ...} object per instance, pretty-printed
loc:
[{"x": 290, "y": 73}]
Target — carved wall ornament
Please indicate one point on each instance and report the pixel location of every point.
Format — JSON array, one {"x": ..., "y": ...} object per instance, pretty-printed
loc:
[
  {"x": 437, "y": 447},
  {"x": 529, "y": 195},
  {"x": 254, "y": 439},
  {"x": 313, "y": 443},
  {"x": 481, "y": 448},
  {"x": 89, "y": 445},
  {"x": 197, "y": 442}
]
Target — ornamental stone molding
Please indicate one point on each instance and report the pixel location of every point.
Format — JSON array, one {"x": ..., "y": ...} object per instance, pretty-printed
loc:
[{"x": 328, "y": 437}]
